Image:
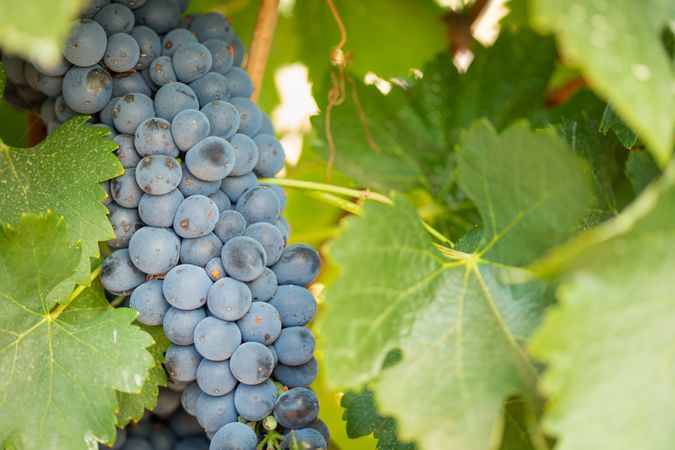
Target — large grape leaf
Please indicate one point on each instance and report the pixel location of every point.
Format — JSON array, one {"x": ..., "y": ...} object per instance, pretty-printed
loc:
[
  {"x": 61, "y": 359},
  {"x": 62, "y": 174},
  {"x": 132, "y": 406},
  {"x": 37, "y": 28},
  {"x": 609, "y": 344},
  {"x": 459, "y": 319},
  {"x": 618, "y": 48},
  {"x": 416, "y": 129},
  {"x": 526, "y": 206}
]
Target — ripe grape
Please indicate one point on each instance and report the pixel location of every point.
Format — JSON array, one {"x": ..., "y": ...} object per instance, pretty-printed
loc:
[
  {"x": 215, "y": 377},
  {"x": 223, "y": 118},
  {"x": 115, "y": 18},
  {"x": 125, "y": 222},
  {"x": 191, "y": 61},
  {"x": 269, "y": 237},
  {"x": 124, "y": 83},
  {"x": 160, "y": 15},
  {"x": 179, "y": 325},
  {"x": 215, "y": 412},
  {"x": 158, "y": 174},
  {"x": 245, "y": 154},
  {"x": 249, "y": 114},
  {"x": 235, "y": 186},
  {"x": 199, "y": 251},
  {"x": 252, "y": 363},
  {"x": 304, "y": 438},
  {"x": 159, "y": 210},
  {"x": 243, "y": 258},
  {"x": 261, "y": 324},
  {"x": 221, "y": 200},
  {"x": 295, "y": 345},
  {"x": 182, "y": 361},
  {"x": 234, "y": 436},
  {"x": 189, "y": 127},
  {"x": 222, "y": 55},
  {"x": 196, "y": 216},
  {"x": 125, "y": 190},
  {"x": 230, "y": 225},
  {"x": 216, "y": 339},
  {"x": 173, "y": 98},
  {"x": 214, "y": 268},
  {"x": 153, "y": 137},
  {"x": 131, "y": 110},
  {"x": 126, "y": 152},
  {"x": 174, "y": 39},
  {"x": 211, "y": 87},
  {"x": 295, "y": 304},
  {"x": 297, "y": 376},
  {"x": 148, "y": 300},
  {"x": 255, "y": 402},
  {"x": 118, "y": 274},
  {"x": 149, "y": 45},
  {"x": 186, "y": 286},
  {"x": 154, "y": 250},
  {"x": 86, "y": 44},
  {"x": 271, "y": 155},
  {"x": 87, "y": 90},
  {"x": 299, "y": 264},
  {"x": 240, "y": 83},
  {"x": 259, "y": 204},
  {"x": 211, "y": 159},
  {"x": 296, "y": 408},
  {"x": 229, "y": 299},
  {"x": 263, "y": 287},
  {"x": 122, "y": 52},
  {"x": 161, "y": 71}
]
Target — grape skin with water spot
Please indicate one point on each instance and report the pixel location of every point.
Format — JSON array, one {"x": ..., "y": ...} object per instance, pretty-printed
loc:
[
  {"x": 161, "y": 71},
  {"x": 191, "y": 185},
  {"x": 153, "y": 137},
  {"x": 261, "y": 324},
  {"x": 196, "y": 217},
  {"x": 212, "y": 159},
  {"x": 131, "y": 110},
  {"x": 158, "y": 174},
  {"x": 124, "y": 189},
  {"x": 125, "y": 222},
  {"x": 122, "y": 52},
  {"x": 126, "y": 152}
]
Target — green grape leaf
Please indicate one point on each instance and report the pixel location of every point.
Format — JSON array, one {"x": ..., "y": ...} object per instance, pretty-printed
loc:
[
  {"x": 363, "y": 419},
  {"x": 521, "y": 429},
  {"x": 612, "y": 122},
  {"x": 459, "y": 319},
  {"x": 609, "y": 343},
  {"x": 415, "y": 130},
  {"x": 632, "y": 70},
  {"x": 529, "y": 187},
  {"x": 37, "y": 29},
  {"x": 577, "y": 121},
  {"x": 131, "y": 405},
  {"x": 61, "y": 359},
  {"x": 641, "y": 170},
  {"x": 61, "y": 174}
]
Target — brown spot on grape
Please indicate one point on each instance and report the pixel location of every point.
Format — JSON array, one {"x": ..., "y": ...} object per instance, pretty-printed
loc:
[{"x": 184, "y": 223}]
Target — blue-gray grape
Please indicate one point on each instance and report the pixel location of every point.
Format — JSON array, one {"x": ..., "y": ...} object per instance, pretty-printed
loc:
[
  {"x": 149, "y": 45},
  {"x": 245, "y": 154},
  {"x": 123, "y": 83},
  {"x": 234, "y": 436},
  {"x": 191, "y": 61},
  {"x": 211, "y": 159},
  {"x": 243, "y": 258},
  {"x": 229, "y": 299},
  {"x": 160, "y": 15},
  {"x": 215, "y": 412},
  {"x": 296, "y": 408},
  {"x": 161, "y": 71},
  {"x": 196, "y": 217},
  {"x": 215, "y": 377},
  {"x": 191, "y": 185},
  {"x": 211, "y": 87},
  {"x": 189, "y": 397},
  {"x": 295, "y": 345},
  {"x": 297, "y": 376},
  {"x": 249, "y": 114},
  {"x": 126, "y": 152},
  {"x": 154, "y": 250},
  {"x": 153, "y": 137},
  {"x": 304, "y": 438},
  {"x": 261, "y": 324},
  {"x": 148, "y": 300},
  {"x": 234, "y": 187},
  {"x": 269, "y": 237},
  {"x": 92, "y": 7},
  {"x": 199, "y": 251},
  {"x": 158, "y": 174},
  {"x": 115, "y": 18},
  {"x": 173, "y": 98},
  {"x": 240, "y": 83},
  {"x": 295, "y": 304},
  {"x": 255, "y": 402},
  {"x": 214, "y": 268},
  {"x": 122, "y": 52},
  {"x": 119, "y": 275},
  {"x": 125, "y": 190},
  {"x": 263, "y": 287},
  {"x": 221, "y": 200},
  {"x": 223, "y": 118},
  {"x": 131, "y": 110},
  {"x": 259, "y": 204},
  {"x": 299, "y": 264},
  {"x": 252, "y": 363},
  {"x": 216, "y": 339},
  {"x": 182, "y": 361},
  {"x": 230, "y": 225},
  {"x": 125, "y": 222},
  {"x": 159, "y": 210},
  {"x": 86, "y": 44},
  {"x": 174, "y": 39},
  {"x": 186, "y": 286},
  {"x": 211, "y": 26},
  {"x": 222, "y": 55},
  {"x": 87, "y": 90},
  {"x": 179, "y": 325},
  {"x": 189, "y": 127},
  {"x": 271, "y": 155}
]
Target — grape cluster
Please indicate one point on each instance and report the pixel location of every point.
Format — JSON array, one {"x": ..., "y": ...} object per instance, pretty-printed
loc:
[
  {"x": 200, "y": 244},
  {"x": 169, "y": 427}
]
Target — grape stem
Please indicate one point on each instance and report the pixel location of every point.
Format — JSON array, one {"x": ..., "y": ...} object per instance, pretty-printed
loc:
[
  {"x": 330, "y": 188},
  {"x": 324, "y": 192},
  {"x": 76, "y": 293},
  {"x": 263, "y": 33}
]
